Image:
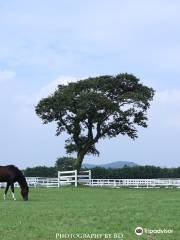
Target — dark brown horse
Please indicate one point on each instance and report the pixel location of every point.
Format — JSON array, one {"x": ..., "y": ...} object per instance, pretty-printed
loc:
[{"x": 12, "y": 174}]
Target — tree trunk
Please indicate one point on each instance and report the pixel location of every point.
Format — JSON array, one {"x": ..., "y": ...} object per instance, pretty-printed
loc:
[{"x": 78, "y": 162}]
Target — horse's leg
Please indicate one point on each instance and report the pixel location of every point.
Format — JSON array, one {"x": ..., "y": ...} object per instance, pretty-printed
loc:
[
  {"x": 12, "y": 189},
  {"x": 7, "y": 187}
]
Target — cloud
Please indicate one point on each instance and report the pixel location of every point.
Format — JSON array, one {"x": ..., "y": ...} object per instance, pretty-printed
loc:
[
  {"x": 6, "y": 75},
  {"x": 144, "y": 28},
  {"x": 51, "y": 87},
  {"x": 167, "y": 107},
  {"x": 45, "y": 91},
  {"x": 168, "y": 97}
]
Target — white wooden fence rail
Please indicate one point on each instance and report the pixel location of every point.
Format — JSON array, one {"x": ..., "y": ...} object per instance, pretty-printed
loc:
[
  {"x": 69, "y": 177},
  {"x": 86, "y": 180},
  {"x": 37, "y": 182},
  {"x": 137, "y": 183}
]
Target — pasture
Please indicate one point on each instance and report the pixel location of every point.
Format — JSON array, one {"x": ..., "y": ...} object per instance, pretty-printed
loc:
[{"x": 90, "y": 210}]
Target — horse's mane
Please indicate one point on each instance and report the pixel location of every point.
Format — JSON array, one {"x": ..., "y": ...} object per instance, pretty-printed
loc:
[{"x": 18, "y": 175}]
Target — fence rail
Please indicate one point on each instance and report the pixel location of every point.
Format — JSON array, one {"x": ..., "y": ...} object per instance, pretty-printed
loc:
[
  {"x": 83, "y": 179},
  {"x": 37, "y": 182},
  {"x": 137, "y": 183},
  {"x": 69, "y": 177}
]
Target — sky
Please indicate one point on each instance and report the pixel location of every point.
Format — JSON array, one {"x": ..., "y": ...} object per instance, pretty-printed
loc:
[{"x": 44, "y": 43}]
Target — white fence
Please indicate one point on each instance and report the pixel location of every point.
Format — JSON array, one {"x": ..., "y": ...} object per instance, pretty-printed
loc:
[
  {"x": 64, "y": 178},
  {"x": 84, "y": 177},
  {"x": 42, "y": 182},
  {"x": 37, "y": 182},
  {"x": 73, "y": 177},
  {"x": 137, "y": 183}
]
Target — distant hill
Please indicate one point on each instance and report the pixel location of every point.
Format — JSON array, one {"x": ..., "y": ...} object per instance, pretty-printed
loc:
[{"x": 119, "y": 164}]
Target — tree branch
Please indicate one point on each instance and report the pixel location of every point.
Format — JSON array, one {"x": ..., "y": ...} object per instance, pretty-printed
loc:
[
  {"x": 76, "y": 131},
  {"x": 66, "y": 126},
  {"x": 98, "y": 128}
]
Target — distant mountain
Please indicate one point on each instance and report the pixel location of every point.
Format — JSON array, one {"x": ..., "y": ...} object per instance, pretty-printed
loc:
[{"x": 119, "y": 164}]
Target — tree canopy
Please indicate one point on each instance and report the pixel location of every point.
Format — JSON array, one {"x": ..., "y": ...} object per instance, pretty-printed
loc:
[
  {"x": 95, "y": 108},
  {"x": 142, "y": 172},
  {"x": 65, "y": 163}
]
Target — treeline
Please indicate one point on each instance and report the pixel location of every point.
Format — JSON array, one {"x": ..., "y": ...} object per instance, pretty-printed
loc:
[
  {"x": 61, "y": 164},
  {"x": 98, "y": 172},
  {"x": 136, "y": 172},
  {"x": 40, "y": 171}
]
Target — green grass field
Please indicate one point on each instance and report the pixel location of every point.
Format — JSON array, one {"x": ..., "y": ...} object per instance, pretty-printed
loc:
[{"x": 90, "y": 210}]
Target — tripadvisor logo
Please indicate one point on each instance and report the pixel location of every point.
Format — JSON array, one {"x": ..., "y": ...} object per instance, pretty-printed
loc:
[{"x": 139, "y": 231}]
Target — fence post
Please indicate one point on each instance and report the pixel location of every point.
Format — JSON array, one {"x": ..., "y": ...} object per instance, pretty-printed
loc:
[
  {"x": 89, "y": 177},
  {"x": 75, "y": 176},
  {"x": 59, "y": 178},
  {"x": 114, "y": 183},
  {"x": 36, "y": 182}
]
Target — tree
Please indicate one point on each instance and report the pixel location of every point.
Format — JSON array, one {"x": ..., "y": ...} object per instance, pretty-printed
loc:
[
  {"x": 96, "y": 108},
  {"x": 65, "y": 163},
  {"x": 40, "y": 171}
]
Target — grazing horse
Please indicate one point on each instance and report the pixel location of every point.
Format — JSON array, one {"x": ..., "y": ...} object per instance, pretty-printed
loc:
[{"x": 12, "y": 174}]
